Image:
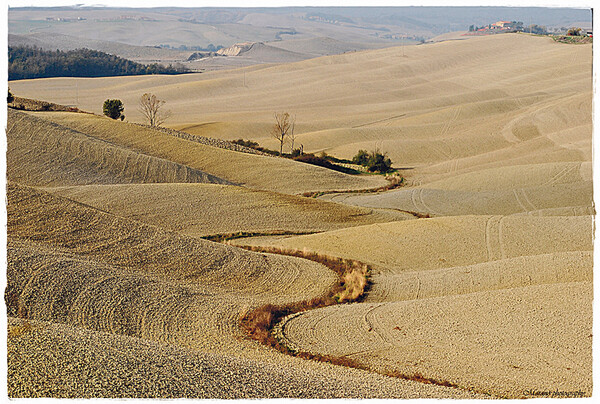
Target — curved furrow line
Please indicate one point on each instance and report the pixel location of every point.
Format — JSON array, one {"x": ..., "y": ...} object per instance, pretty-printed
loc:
[
  {"x": 491, "y": 239},
  {"x": 501, "y": 243},
  {"x": 427, "y": 208},
  {"x": 376, "y": 325},
  {"x": 414, "y": 199},
  {"x": 526, "y": 199},
  {"x": 519, "y": 202},
  {"x": 561, "y": 174}
]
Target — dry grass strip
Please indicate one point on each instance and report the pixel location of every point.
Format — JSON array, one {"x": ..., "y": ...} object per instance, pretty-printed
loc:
[
  {"x": 353, "y": 285},
  {"x": 258, "y": 323},
  {"x": 395, "y": 181},
  {"x": 224, "y": 237},
  {"x": 418, "y": 215},
  {"x": 28, "y": 104}
]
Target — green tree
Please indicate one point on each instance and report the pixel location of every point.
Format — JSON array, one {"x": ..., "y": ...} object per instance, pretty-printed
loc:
[
  {"x": 379, "y": 162},
  {"x": 27, "y": 63},
  {"x": 362, "y": 158},
  {"x": 537, "y": 29},
  {"x": 374, "y": 161},
  {"x": 113, "y": 109}
]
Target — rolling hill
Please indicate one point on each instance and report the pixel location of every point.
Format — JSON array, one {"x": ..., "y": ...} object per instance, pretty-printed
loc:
[
  {"x": 481, "y": 262},
  {"x": 141, "y": 54},
  {"x": 441, "y": 103}
]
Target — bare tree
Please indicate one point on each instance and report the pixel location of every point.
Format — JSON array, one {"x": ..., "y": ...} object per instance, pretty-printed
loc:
[
  {"x": 150, "y": 107},
  {"x": 292, "y": 134},
  {"x": 283, "y": 128}
]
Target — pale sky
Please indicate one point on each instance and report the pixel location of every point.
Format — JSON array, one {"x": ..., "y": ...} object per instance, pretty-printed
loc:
[{"x": 279, "y": 3}]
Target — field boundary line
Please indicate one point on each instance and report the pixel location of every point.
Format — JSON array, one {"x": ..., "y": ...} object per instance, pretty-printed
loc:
[{"x": 261, "y": 323}]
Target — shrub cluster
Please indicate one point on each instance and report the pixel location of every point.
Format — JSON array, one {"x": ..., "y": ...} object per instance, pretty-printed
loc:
[
  {"x": 247, "y": 143},
  {"x": 323, "y": 160},
  {"x": 361, "y": 158},
  {"x": 27, "y": 104},
  {"x": 254, "y": 145},
  {"x": 374, "y": 161}
]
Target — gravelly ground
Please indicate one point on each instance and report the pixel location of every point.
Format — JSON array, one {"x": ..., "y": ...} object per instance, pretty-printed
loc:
[{"x": 56, "y": 360}]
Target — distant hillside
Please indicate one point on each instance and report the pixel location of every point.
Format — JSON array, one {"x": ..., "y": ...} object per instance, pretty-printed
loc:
[
  {"x": 266, "y": 53},
  {"x": 140, "y": 54},
  {"x": 247, "y": 54},
  {"x": 226, "y": 26},
  {"x": 171, "y": 34},
  {"x": 322, "y": 46},
  {"x": 30, "y": 62}
]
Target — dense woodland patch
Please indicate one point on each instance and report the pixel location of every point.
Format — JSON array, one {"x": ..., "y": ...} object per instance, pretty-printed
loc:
[{"x": 30, "y": 63}]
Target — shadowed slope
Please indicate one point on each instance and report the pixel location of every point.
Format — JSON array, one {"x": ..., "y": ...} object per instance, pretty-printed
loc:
[
  {"x": 57, "y": 285},
  {"x": 192, "y": 209},
  {"x": 43, "y": 153},
  {"x": 39, "y": 216},
  {"x": 262, "y": 172},
  {"x": 72, "y": 263},
  {"x": 428, "y": 244}
]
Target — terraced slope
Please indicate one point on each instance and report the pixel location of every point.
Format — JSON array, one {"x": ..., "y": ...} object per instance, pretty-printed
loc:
[
  {"x": 87, "y": 280},
  {"x": 499, "y": 304},
  {"x": 261, "y": 172},
  {"x": 193, "y": 209},
  {"x": 560, "y": 188},
  {"x": 425, "y": 105},
  {"x": 168, "y": 281},
  {"x": 39, "y": 216},
  {"x": 427, "y": 244},
  {"x": 43, "y": 153},
  {"x": 492, "y": 294},
  {"x": 521, "y": 271}
]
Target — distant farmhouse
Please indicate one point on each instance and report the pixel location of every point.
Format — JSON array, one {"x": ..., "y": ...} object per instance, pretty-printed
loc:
[
  {"x": 500, "y": 27},
  {"x": 504, "y": 25},
  {"x": 496, "y": 28}
]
